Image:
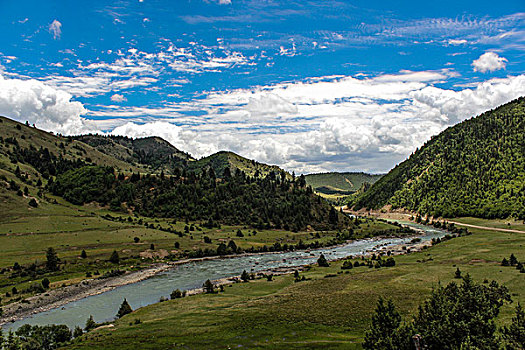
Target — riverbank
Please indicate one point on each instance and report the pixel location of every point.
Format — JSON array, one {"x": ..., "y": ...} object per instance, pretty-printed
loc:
[{"x": 59, "y": 297}]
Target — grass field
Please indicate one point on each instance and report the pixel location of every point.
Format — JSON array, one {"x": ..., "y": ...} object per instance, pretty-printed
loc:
[{"x": 322, "y": 312}]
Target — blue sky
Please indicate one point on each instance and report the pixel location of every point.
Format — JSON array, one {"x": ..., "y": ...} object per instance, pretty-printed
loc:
[{"x": 308, "y": 85}]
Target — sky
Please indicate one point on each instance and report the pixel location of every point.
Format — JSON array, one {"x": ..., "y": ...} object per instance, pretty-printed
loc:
[{"x": 310, "y": 85}]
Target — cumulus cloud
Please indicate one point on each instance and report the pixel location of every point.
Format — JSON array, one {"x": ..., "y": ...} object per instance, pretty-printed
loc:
[
  {"x": 38, "y": 103},
  {"x": 118, "y": 98},
  {"x": 327, "y": 123},
  {"x": 55, "y": 28},
  {"x": 489, "y": 62}
]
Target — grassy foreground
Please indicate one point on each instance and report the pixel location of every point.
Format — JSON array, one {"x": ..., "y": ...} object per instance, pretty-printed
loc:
[{"x": 325, "y": 311}]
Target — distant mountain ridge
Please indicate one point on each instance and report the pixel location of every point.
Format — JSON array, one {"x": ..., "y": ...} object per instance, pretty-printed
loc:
[
  {"x": 475, "y": 168},
  {"x": 345, "y": 182}
]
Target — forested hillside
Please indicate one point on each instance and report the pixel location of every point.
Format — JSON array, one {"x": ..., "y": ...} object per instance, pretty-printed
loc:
[
  {"x": 221, "y": 189},
  {"x": 475, "y": 168},
  {"x": 264, "y": 202}
]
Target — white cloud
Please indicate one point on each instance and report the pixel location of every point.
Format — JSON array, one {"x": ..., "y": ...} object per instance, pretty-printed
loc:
[
  {"x": 456, "y": 41},
  {"x": 118, "y": 98},
  {"x": 327, "y": 123},
  {"x": 38, "y": 103},
  {"x": 489, "y": 62},
  {"x": 55, "y": 28}
]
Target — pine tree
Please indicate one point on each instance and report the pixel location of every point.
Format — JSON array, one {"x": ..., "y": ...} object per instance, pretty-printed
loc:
[
  {"x": 83, "y": 255},
  {"x": 385, "y": 321},
  {"x": 245, "y": 277},
  {"x": 322, "y": 262},
  {"x": 457, "y": 274},
  {"x": 114, "y": 258},
  {"x": 51, "y": 260},
  {"x": 514, "y": 334},
  {"x": 77, "y": 332},
  {"x": 124, "y": 309},
  {"x": 90, "y": 324}
]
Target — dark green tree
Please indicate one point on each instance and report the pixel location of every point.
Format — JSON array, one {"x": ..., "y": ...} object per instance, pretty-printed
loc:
[
  {"x": 45, "y": 283},
  {"x": 114, "y": 258},
  {"x": 77, "y": 332},
  {"x": 245, "y": 276},
  {"x": 90, "y": 324},
  {"x": 83, "y": 254},
  {"x": 176, "y": 294},
  {"x": 457, "y": 313},
  {"x": 208, "y": 287},
  {"x": 52, "y": 260},
  {"x": 124, "y": 309},
  {"x": 382, "y": 332},
  {"x": 322, "y": 262},
  {"x": 514, "y": 335}
]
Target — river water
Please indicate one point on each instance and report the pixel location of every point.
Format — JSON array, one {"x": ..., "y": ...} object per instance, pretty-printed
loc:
[{"x": 104, "y": 307}]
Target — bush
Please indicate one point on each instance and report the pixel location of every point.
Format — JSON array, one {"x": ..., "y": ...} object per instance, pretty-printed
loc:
[{"x": 176, "y": 294}]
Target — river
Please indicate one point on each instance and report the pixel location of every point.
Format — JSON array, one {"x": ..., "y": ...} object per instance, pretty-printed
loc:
[{"x": 103, "y": 307}]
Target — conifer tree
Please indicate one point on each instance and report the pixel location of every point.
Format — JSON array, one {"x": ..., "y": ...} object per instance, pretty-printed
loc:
[
  {"x": 114, "y": 258},
  {"x": 322, "y": 262},
  {"x": 90, "y": 324},
  {"x": 124, "y": 309},
  {"x": 51, "y": 260}
]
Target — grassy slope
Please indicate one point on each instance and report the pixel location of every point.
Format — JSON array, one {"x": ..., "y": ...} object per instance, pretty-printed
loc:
[
  {"x": 39, "y": 138},
  {"x": 320, "y": 313}
]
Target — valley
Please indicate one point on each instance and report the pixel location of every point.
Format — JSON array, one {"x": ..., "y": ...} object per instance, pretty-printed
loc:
[{"x": 89, "y": 221}]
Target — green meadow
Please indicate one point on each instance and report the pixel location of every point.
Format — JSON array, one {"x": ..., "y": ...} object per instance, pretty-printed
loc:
[{"x": 330, "y": 310}]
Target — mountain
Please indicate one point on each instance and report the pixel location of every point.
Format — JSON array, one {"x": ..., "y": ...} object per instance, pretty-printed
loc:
[
  {"x": 20, "y": 142},
  {"x": 475, "y": 168},
  {"x": 342, "y": 184},
  {"x": 221, "y": 160},
  {"x": 122, "y": 175},
  {"x": 154, "y": 153}
]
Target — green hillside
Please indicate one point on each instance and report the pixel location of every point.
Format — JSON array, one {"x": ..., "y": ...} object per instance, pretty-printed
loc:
[
  {"x": 221, "y": 160},
  {"x": 153, "y": 153},
  {"x": 343, "y": 183},
  {"x": 36, "y": 162},
  {"x": 475, "y": 168}
]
